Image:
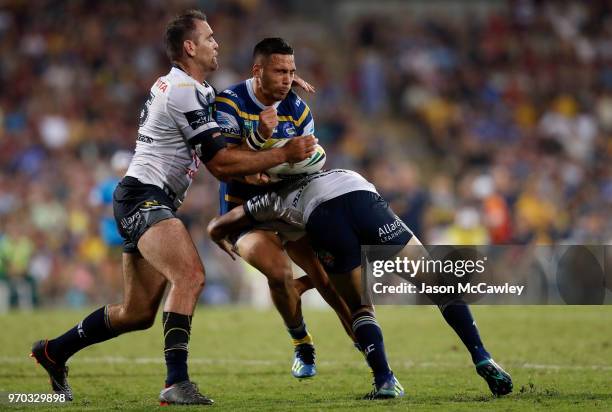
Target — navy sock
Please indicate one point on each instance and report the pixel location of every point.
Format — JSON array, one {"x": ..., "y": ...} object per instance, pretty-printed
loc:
[
  {"x": 177, "y": 329},
  {"x": 459, "y": 317},
  {"x": 95, "y": 328},
  {"x": 370, "y": 339},
  {"x": 299, "y": 333}
]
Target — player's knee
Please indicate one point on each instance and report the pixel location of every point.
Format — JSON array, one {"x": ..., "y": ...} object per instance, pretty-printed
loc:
[
  {"x": 129, "y": 319},
  {"x": 279, "y": 278},
  {"x": 144, "y": 320},
  {"x": 192, "y": 280}
]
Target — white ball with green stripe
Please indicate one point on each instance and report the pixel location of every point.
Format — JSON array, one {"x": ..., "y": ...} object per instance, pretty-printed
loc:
[{"x": 310, "y": 165}]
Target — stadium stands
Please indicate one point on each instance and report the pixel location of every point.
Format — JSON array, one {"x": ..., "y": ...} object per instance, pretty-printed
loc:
[{"x": 480, "y": 128}]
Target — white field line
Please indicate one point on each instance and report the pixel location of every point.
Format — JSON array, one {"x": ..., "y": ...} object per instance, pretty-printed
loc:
[{"x": 261, "y": 362}]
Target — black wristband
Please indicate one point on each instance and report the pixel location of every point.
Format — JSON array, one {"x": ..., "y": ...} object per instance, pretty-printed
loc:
[{"x": 206, "y": 146}]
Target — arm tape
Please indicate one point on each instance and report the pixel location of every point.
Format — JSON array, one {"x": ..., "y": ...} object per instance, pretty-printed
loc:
[{"x": 207, "y": 146}]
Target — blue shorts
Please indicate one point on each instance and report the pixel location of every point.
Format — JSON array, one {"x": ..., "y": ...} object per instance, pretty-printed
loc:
[{"x": 337, "y": 229}]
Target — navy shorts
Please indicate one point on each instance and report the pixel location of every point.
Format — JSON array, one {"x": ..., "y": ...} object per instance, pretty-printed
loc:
[
  {"x": 137, "y": 207},
  {"x": 337, "y": 229}
]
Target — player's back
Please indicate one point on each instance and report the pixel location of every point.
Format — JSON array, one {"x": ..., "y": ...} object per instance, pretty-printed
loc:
[
  {"x": 309, "y": 192},
  {"x": 177, "y": 109},
  {"x": 237, "y": 113}
]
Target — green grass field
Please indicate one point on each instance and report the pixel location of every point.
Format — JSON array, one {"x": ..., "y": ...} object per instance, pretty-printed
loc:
[{"x": 560, "y": 359}]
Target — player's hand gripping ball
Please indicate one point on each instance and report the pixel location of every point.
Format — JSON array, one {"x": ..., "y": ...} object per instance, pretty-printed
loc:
[{"x": 310, "y": 165}]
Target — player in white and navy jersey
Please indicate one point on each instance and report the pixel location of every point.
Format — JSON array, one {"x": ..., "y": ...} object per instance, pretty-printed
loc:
[
  {"x": 339, "y": 210},
  {"x": 249, "y": 114},
  {"x": 178, "y": 109},
  {"x": 177, "y": 132}
]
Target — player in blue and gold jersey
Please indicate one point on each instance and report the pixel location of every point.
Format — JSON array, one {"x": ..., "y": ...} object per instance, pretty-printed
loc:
[
  {"x": 238, "y": 115},
  {"x": 249, "y": 114}
]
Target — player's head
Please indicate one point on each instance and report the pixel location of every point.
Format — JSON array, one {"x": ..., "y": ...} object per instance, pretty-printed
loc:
[
  {"x": 190, "y": 38},
  {"x": 274, "y": 67}
]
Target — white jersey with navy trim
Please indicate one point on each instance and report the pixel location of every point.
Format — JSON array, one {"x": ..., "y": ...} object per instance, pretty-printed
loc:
[
  {"x": 178, "y": 109},
  {"x": 303, "y": 196}
]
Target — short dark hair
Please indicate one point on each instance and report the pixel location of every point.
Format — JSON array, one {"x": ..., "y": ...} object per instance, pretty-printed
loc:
[
  {"x": 179, "y": 29},
  {"x": 270, "y": 46}
]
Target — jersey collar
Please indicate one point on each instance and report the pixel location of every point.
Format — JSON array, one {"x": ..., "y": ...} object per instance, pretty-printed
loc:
[{"x": 183, "y": 72}]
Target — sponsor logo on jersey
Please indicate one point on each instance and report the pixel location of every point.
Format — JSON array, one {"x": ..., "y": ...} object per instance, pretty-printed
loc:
[
  {"x": 288, "y": 129},
  {"x": 390, "y": 231},
  {"x": 197, "y": 118},
  {"x": 144, "y": 139},
  {"x": 230, "y": 93},
  {"x": 229, "y": 130},
  {"x": 161, "y": 85}
]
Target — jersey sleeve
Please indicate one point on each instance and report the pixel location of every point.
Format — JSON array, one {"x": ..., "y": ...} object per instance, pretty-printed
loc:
[
  {"x": 192, "y": 112},
  {"x": 227, "y": 117},
  {"x": 272, "y": 207},
  {"x": 304, "y": 122}
]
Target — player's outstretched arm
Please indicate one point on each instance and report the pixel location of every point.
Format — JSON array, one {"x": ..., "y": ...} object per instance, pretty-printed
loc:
[
  {"x": 228, "y": 163},
  {"x": 257, "y": 179},
  {"x": 259, "y": 209}
]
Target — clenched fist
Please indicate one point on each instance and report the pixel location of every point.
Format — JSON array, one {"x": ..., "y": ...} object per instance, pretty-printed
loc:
[
  {"x": 268, "y": 120},
  {"x": 299, "y": 148}
]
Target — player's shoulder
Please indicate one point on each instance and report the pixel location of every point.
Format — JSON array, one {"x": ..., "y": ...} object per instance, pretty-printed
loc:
[
  {"x": 235, "y": 93},
  {"x": 182, "y": 90},
  {"x": 293, "y": 103},
  {"x": 177, "y": 80},
  {"x": 163, "y": 85}
]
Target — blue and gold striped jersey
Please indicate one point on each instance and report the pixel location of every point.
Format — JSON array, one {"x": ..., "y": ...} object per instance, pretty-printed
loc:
[{"x": 237, "y": 114}]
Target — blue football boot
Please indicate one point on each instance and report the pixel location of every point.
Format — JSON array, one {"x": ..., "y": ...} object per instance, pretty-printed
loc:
[
  {"x": 304, "y": 361},
  {"x": 499, "y": 380},
  {"x": 391, "y": 388}
]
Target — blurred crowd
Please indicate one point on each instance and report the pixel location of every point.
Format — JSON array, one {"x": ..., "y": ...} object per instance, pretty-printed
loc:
[{"x": 489, "y": 128}]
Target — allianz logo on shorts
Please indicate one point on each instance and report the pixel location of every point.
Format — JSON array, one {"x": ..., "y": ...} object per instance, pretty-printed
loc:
[
  {"x": 390, "y": 231},
  {"x": 128, "y": 222}
]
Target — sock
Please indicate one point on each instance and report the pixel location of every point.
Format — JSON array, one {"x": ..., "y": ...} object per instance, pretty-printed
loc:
[
  {"x": 177, "y": 329},
  {"x": 95, "y": 328},
  {"x": 300, "y": 335},
  {"x": 370, "y": 339},
  {"x": 459, "y": 317}
]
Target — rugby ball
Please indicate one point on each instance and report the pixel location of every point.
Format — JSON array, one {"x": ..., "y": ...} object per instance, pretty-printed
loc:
[{"x": 310, "y": 165}]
